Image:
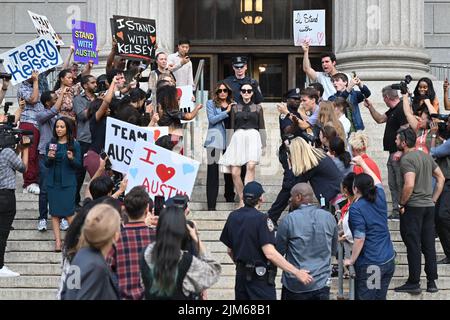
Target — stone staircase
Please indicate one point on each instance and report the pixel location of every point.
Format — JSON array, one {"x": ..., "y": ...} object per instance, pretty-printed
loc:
[{"x": 31, "y": 253}]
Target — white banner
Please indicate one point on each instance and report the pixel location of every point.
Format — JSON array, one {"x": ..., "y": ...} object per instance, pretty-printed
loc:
[
  {"x": 41, "y": 55},
  {"x": 309, "y": 25},
  {"x": 161, "y": 172},
  {"x": 44, "y": 27},
  {"x": 121, "y": 138}
]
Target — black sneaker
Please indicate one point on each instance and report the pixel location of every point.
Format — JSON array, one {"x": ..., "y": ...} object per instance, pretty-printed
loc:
[
  {"x": 432, "y": 287},
  {"x": 409, "y": 288},
  {"x": 446, "y": 260},
  {"x": 394, "y": 217}
]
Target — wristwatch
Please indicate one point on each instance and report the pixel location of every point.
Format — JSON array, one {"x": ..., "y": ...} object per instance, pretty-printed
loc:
[{"x": 433, "y": 135}]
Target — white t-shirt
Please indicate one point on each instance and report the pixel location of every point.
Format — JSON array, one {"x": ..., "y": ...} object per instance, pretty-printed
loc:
[
  {"x": 346, "y": 124},
  {"x": 325, "y": 80}
]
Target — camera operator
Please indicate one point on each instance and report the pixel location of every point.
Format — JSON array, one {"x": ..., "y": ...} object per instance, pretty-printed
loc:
[
  {"x": 5, "y": 85},
  {"x": 9, "y": 164},
  {"x": 442, "y": 210}
]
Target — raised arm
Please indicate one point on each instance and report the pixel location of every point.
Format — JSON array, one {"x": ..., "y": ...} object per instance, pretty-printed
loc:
[
  {"x": 310, "y": 72},
  {"x": 69, "y": 58},
  {"x": 378, "y": 117},
  {"x": 446, "y": 99},
  {"x": 413, "y": 122},
  {"x": 359, "y": 161},
  {"x": 5, "y": 85},
  {"x": 106, "y": 101},
  {"x": 111, "y": 56}
]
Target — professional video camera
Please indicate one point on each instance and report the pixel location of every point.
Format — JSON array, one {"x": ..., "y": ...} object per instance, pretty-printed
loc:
[
  {"x": 442, "y": 131},
  {"x": 403, "y": 86},
  {"x": 9, "y": 136}
]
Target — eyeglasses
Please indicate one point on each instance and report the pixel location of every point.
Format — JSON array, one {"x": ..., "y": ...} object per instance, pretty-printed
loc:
[
  {"x": 248, "y": 91},
  {"x": 222, "y": 91}
]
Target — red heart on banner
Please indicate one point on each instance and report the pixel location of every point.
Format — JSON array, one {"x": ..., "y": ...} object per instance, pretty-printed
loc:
[
  {"x": 156, "y": 134},
  {"x": 320, "y": 37},
  {"x": 153, "y": 39},
  {"x": 120, "y": 35},
  {"x": 165, "y": 173}
]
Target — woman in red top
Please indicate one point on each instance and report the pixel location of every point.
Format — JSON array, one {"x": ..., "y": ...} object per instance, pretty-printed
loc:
[{"x": 359, "y": 143}]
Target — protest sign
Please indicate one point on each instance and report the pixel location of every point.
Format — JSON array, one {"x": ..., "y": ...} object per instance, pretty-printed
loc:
[
  {"x": 309, "y": 25},
  {"x": 185, "y": 95},
  {"x": 161, "y": 172},
  {"x": 136, "y": 37},
  {"x": 43, "y": 27},
  {"x": 41, "y": 55},
  {"x": 84, "y": 37},
  {"x": 121, "y": 138}
]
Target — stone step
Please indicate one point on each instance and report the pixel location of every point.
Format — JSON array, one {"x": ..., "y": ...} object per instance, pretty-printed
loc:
[
  {"x": 49, "y": 282},
  {"x": 33, "y": 257},
  {"x": 36, "y": 269},
  {"x": 28, "y": 294},
  {"x": 31, "y": 235}
]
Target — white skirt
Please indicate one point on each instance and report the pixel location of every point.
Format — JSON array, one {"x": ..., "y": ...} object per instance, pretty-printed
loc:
[{"x": 245, "y": 146}]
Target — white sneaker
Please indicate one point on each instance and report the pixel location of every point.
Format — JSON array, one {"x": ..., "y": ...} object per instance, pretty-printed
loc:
[
  {"x": 42, "y": 226},
  {"x": 33, "y": 188},
  {"x": 64, "y": 225},
  {"x": 5, "y": 272}
]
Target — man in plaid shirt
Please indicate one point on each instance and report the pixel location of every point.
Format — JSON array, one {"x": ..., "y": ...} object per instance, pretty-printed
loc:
[{"x": 135, "y": 236}]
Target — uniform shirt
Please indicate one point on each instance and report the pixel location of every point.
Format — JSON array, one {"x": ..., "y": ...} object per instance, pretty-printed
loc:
[
  {"x": 183, "y": 73},
  {"x": 423, "y": 166},
  {"x": 395, "y": 119},
  {"x": 9, "y": 164},
  {"x": 124, "y": 258},
  {"x": 246, "y": 231},
  {"x": 28, "y": 115},
  {"x": 368, "y": 221},
  {"x": 308, "y": 238}
]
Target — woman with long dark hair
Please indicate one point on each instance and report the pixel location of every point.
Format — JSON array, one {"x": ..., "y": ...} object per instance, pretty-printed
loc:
[
  {"x": 372, "y": 247},
  {"x": 63, "y": 161},
  {"x": 248, "y": 141},
  {"x": 425, "y": 97},
  {"x": 168, "y": 272},
  {"x": 65, "y": 79},
  {"x": 218, "y": 110},
  {"x": 342, "y": 159}
]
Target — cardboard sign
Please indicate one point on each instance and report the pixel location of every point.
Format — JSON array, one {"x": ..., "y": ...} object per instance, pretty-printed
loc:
[
  {"x": 41, "y": 54},
  {"x": 161, "y": 172},
  {"x": 309, "y": 25},
  {"x": 136, "y": 37},
  {"x": 121, "y": 138},
  {"x": 43, "y": 27},
  {"x": 84, "y": 37},
  {"x": 185, "y": 95}
]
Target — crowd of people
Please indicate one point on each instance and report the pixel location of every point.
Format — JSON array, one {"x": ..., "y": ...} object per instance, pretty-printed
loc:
[{"x": 120, "y": 249}]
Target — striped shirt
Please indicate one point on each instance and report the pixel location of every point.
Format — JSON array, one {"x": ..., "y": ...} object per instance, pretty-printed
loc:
[
  {"x": 9, "y": 164},
  {"x": 28, "y": 115},
  {"x": 124, "y": 258}
]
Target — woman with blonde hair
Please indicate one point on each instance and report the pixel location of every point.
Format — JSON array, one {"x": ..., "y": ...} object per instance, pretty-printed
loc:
[
  {"x": 327, "y": 114},
  {"x": 359, "y": 142}
]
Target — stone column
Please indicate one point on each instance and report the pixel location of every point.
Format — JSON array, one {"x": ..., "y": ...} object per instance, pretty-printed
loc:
[
  {"x": 100, "y": 11},
  {"x": 380, "y": 39}
]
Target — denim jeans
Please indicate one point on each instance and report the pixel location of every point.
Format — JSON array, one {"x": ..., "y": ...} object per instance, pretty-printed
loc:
[
  {"x": 43, "y": 201},
  {"x": 321, "y": 294},
  {"x": 372, "y": 281}
]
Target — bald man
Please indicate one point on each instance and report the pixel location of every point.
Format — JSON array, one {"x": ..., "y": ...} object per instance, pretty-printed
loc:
[{"x": 307, "y": 237}]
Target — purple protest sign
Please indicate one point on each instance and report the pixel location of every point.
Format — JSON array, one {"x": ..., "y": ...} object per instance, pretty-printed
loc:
[{"x": 84, "y": 37}]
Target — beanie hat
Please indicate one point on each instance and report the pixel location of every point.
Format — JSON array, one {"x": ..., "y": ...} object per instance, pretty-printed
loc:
[{"x": 100, "y": 226}]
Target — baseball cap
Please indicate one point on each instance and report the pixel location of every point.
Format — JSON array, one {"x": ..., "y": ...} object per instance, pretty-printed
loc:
[{"x": 253, "y": 190}]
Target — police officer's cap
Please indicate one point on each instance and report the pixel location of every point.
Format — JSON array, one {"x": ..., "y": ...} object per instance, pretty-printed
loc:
[
  {"x": 293, "y": 94},
  {"x": 253, "y": 190},
  {"x": 239, "y": 62}
]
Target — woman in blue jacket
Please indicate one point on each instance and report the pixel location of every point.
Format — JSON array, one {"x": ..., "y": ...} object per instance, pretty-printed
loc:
[
  {"x": 218, "y": 110},
  {"x": 63, "y": 160}
]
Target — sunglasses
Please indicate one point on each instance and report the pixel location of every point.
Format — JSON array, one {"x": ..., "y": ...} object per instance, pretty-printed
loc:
[
  {"x": 222, "y": 91},
  {"x": 248, "y": 91}
]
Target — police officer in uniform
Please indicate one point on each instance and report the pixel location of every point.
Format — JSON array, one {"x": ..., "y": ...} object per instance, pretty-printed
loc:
[
  {"x": 235, "y": 82},
  {"x": 288, "y": 130},
  {"x": 250, "y": 238}
]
